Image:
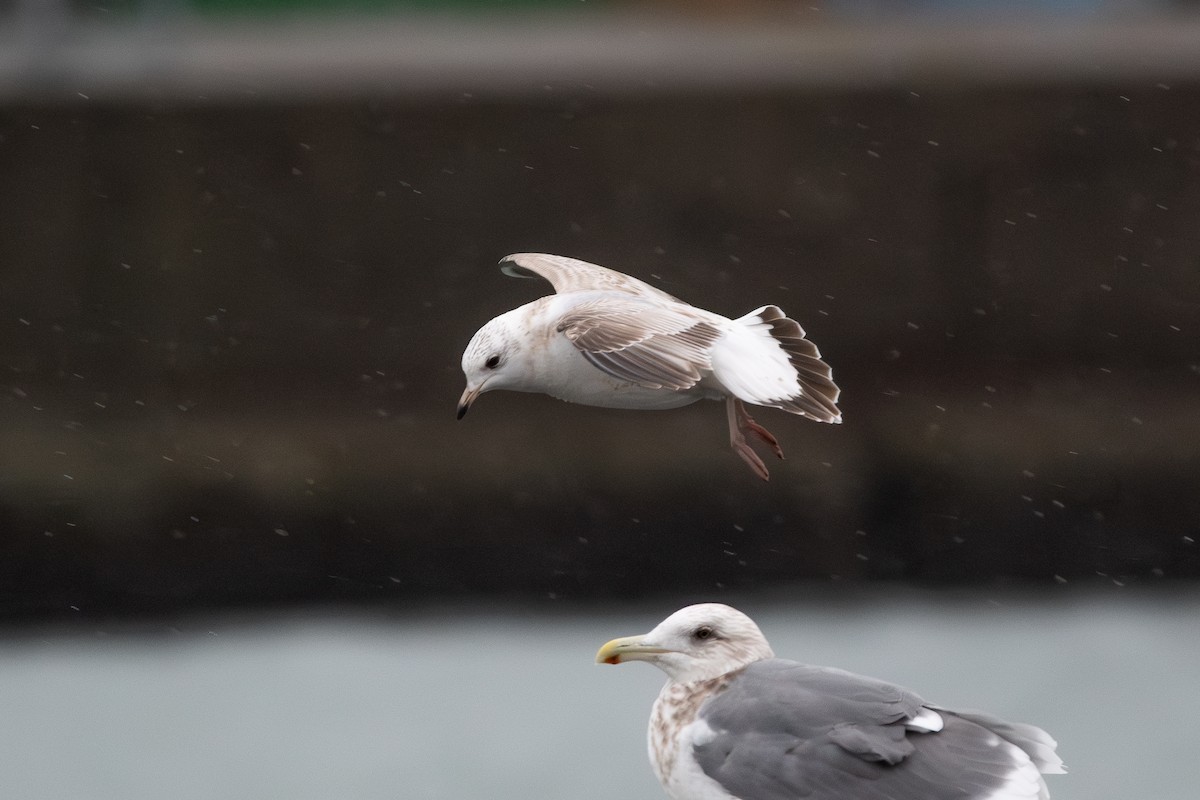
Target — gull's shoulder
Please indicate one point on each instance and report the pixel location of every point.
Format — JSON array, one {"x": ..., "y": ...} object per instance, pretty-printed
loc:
[{"x": 572, "y": 275}]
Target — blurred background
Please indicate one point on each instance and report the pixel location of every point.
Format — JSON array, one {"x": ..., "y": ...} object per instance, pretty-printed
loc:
[{"x": 245, "y": 548}]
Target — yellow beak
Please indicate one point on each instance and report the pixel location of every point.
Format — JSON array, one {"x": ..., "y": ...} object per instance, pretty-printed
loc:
[{"x": 628, "y": 648}]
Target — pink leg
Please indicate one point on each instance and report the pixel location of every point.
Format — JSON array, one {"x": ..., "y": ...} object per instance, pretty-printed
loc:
[{"x": 741, "y": 423}]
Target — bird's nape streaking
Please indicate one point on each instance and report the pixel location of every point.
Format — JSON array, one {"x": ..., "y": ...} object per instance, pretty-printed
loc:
[
  {"x": 607, "y": 339},
  {"x": 733, "y": 722}
]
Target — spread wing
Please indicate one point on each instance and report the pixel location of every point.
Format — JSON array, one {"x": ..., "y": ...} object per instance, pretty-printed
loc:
[
  {"x": 783, "y": 731},
  {"x": 572, "y": 275},
  {"x": 647, "y": 343}
]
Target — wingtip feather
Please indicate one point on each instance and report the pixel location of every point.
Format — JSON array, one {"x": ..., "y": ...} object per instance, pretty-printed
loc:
[{"x": 510, "y": 265}]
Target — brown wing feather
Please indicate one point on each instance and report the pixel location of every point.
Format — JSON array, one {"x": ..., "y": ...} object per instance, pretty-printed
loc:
[{"x": 645, "y": 343}]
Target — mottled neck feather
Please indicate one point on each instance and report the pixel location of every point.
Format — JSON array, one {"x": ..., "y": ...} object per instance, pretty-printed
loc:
[{"x": 675, "y": 709}]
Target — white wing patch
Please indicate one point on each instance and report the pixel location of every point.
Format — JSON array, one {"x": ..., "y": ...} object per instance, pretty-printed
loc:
[{"x": 926, "y": 721}]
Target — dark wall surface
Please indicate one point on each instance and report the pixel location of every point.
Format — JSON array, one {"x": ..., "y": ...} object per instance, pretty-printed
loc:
[{"x": 231, "y": 342}]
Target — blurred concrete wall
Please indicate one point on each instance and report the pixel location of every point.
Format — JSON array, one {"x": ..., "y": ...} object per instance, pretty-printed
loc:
[{"x": 232, "y": 333}]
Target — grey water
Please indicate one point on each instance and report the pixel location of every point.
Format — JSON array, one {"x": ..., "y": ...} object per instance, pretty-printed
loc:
[{"x": 507, "y": 703}]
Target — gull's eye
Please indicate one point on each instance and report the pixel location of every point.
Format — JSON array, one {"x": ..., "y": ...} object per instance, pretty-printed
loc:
[
  {"x": 703, "y": 632},
  {"x": 492, "y": 362}
]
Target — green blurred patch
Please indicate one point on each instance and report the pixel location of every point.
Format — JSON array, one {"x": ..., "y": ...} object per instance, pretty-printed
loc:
[
  {"x": 270, "y": 6},
  {"x": 113, "y": 9}
]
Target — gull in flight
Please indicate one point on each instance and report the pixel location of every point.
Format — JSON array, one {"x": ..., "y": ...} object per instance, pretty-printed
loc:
[
  {"x": 735, "y": 723},
  {"x": 606, "y": 339}
]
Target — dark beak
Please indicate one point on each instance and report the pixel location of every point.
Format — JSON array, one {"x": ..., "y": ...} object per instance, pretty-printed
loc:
[{"x": 468, "y": 397}]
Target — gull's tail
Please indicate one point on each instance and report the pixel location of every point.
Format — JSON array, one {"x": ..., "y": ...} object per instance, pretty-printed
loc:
[
  {"x": 1038, "y": 756},
  {"x": 766, "y": 360},
  {"x": 1037, "y": 744}
]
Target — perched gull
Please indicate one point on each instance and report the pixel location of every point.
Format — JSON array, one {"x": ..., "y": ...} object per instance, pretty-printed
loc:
[
  {"x": 734, "y": 722},
  {"x": 606, "y": 339}
]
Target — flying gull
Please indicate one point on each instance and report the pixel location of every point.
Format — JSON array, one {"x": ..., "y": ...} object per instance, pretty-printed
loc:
[
  {"x": 735, "y": 723},
  {"x": 606, "y": 339}
]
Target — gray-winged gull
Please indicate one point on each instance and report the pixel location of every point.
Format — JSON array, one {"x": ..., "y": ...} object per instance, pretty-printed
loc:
[
  {"x": 735, "y": 722},
  {"x": 606, "y": 339}
]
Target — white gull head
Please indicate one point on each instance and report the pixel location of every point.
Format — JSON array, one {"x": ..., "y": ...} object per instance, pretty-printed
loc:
[
  {"x": 695, "y": 643},
  {"x": 495, "y": 358}
]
